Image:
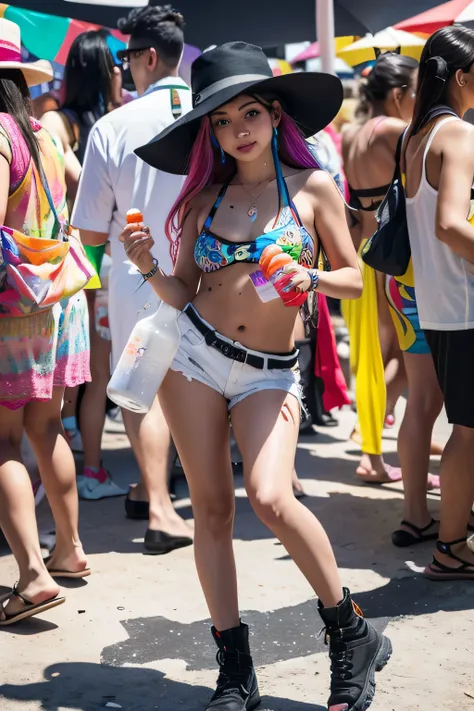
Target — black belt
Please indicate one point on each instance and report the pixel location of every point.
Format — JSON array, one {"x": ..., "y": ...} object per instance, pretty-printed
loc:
[{"x": 235, "y": 352}]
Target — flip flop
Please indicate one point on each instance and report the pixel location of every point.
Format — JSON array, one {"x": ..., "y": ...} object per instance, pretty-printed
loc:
[
  {"x": 31, "y": 608},
  {"x": 66, "y": 573},
  {"x": 404, "y": 539}
]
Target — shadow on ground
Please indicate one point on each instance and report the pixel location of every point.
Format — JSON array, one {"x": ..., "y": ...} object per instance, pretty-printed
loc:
[
  {"x": 90, "y": 687},
  {"x": 282, "y": 634}
]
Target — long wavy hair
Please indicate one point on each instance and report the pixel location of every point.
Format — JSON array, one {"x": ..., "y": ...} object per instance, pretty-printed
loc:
[{"x": 205, "y": 167}]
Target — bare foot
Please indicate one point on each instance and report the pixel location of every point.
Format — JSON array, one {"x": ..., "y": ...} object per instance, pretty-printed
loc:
[
  {"x": 373, "y": 470},
  {"x": 71, "y": 561},
  {"x": 137, "y": 492},
  {"x": 39, "y": 590},
  {"x": 170, "y": 523}
]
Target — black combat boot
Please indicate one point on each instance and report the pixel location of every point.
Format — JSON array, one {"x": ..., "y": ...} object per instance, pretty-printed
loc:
[
  {"x": 356, "y": 651},
  {"x": 237, "y": 688}
]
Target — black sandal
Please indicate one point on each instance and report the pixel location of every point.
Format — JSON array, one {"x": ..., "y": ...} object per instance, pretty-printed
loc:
[
  {"x": 404, "y": 539},
  {"x": 30, "y": 608},
  {"x": 438, "y": 571}
]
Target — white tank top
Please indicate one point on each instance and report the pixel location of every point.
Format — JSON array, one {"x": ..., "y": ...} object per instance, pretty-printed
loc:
[{"x": 444, "y": 282}]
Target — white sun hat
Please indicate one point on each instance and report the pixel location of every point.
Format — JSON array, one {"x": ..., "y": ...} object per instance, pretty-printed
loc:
[{"x": 10, "y": 56}]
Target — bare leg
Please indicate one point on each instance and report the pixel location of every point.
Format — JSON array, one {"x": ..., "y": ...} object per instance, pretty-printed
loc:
[
  {"x": 150, "y": 439},
  {"x": 70, "y": 402},
  {"x": 395, "y": 376},
  {"x": 43, "y": 426},
  {"x": 92, "y": 414},
  {"x": 17, "y": 515},
  {"x": 197, "y": 416},
  {"x": 424, "y": 404},
  {"x": 395, "y": 379},
  {"x": 266, "y": 429}
]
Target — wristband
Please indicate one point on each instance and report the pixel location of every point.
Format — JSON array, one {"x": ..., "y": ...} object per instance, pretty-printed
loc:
[
  {"x": 314, "y": 276},
  {"x": 152, "y": 272}
]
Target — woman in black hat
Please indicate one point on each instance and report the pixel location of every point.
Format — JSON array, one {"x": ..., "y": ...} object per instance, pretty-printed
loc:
[{"x": 246, "y": 161}]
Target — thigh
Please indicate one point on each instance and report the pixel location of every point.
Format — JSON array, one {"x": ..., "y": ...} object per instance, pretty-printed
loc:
[
  {"x": 40, "y": 415},
  {"x": 266, "y": 426},
  {"x": 11, "y": 432},
  {"x": 198, "y": 420}
]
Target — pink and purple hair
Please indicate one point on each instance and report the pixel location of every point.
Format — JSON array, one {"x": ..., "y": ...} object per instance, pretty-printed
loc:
[{"x": 205, "y": 168}]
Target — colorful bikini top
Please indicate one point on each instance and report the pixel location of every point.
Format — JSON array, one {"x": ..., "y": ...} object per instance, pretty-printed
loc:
[{"x": 213, "y": 252}]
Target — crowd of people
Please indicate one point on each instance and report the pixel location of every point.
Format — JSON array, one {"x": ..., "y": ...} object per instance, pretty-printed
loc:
[{"x": 239, "y": 163}]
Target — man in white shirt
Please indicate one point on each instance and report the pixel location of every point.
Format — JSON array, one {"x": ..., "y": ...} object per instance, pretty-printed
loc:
[{"x": 114, "y": 180}]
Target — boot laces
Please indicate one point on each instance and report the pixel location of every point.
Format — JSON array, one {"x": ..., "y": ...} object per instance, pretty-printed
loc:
[
  {"x": 340, "y": 656},
  {"x": 232, "y": 677}
]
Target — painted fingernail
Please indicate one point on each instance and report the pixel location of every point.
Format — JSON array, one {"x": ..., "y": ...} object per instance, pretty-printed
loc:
[{"x": 339, "y": 707}]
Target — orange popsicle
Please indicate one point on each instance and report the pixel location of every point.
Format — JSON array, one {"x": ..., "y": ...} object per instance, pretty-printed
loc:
[{"x": 133, "y": 216}]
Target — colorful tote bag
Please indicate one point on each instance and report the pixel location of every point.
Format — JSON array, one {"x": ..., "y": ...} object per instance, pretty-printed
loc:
[{"x": 36, "y": 273}]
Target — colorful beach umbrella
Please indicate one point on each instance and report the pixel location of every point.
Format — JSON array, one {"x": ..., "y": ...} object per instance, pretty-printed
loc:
[
  {"x": 312, "y": 51},
  {"x": 50, "y": 37},
  {"x": 367, "y": 48},
  {"x": 449, "y": 13},
  {"x": 279, "y": 66}
]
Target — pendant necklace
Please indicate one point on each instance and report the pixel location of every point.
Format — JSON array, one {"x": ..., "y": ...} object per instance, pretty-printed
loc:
[{"x": 252, "y": 212}]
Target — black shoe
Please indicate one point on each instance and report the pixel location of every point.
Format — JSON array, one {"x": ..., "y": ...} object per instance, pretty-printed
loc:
[
  {"x": 160, "y": 543},
  {"x": 237, "y": 688},
  {"x": 356, "y": 651}
]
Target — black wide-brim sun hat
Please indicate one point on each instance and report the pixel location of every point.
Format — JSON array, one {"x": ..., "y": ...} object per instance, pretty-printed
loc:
[{"x": 311, "y": 99}]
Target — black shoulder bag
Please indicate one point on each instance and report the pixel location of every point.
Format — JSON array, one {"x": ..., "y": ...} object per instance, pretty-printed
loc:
[{"x": 388, "y": 250}]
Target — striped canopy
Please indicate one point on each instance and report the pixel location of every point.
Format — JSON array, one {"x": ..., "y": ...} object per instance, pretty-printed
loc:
[{"x": 449, "y": 13}]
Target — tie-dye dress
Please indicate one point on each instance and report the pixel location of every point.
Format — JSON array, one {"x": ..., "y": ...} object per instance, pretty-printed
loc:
[{"x": 48, "y": 349}]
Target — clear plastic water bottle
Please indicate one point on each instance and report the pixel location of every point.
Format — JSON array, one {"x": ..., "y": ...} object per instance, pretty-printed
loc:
[{"x": 145, "y": 360}]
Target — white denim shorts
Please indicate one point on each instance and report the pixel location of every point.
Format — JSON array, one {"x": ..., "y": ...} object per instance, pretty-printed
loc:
[{"x": 233, "y": 379}]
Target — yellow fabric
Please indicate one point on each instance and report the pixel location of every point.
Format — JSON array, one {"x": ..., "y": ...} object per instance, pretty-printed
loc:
[{"x": 361, "y": 317}]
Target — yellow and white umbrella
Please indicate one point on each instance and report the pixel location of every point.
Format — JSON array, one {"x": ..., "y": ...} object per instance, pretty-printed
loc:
[{"x": 366, "y": 49}]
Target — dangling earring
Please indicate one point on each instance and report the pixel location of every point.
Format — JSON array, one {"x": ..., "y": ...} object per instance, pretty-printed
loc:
[
  {"x": 222, "y": 156},
  {"x": 275, "y": 138}
]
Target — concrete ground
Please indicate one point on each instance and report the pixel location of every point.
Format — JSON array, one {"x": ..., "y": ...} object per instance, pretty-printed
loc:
[{"x": 136, "y": 635}]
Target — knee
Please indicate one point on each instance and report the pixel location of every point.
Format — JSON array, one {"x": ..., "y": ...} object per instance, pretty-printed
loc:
[
  {"x": 215, "y": 515},
  {"x": 270, "y": 505},
  {"x": 426, "y": 406},
  {"x": 10, "y": 447},
  {"x": 39, "y": 429}
]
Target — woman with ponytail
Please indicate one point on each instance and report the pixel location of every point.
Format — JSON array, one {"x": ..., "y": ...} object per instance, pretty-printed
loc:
[
  {"x": 439, "y": 168},
  {"x": 252, "y": 185},
  {"x": 385, "y": 108}
]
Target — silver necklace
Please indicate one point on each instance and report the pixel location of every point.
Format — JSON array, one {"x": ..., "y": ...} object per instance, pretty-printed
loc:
[{"x": 252, "y": 212}]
